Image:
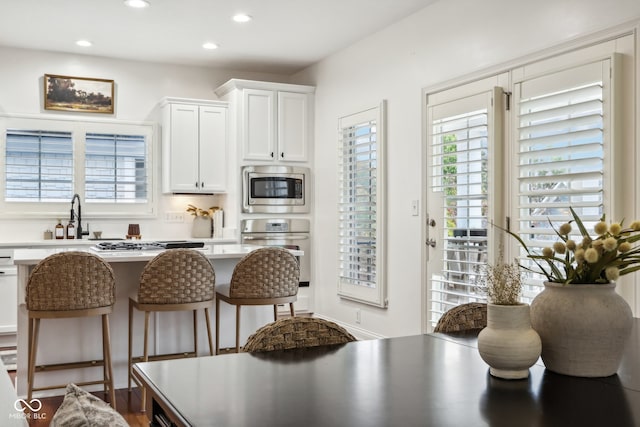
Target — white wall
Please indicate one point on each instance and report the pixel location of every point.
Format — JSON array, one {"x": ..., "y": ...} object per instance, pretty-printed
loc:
[
  {"x": 139, "y": 86},
  {"x": 446, "y": 40}
]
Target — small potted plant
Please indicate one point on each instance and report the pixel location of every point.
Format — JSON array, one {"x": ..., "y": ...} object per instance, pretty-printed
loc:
[
  {"x": 508, "y": 344},
  {"x": 202, "y": 221},
  {"x": 583, "y": 322}
]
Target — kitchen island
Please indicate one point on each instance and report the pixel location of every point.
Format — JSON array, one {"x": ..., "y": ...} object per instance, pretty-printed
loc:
[{"x": 78, "y": 339}]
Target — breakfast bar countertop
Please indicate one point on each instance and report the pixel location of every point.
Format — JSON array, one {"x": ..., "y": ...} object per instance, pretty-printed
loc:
[{"x": 211, "y": 251}]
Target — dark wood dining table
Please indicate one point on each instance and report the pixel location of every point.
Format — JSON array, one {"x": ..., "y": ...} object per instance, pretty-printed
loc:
[{"x": 423, "y": 380}]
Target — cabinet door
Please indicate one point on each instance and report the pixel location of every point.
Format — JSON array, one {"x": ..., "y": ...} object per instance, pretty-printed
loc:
[
  {"x": 213, "y": 149},
  {"x": 9, "y": 300},
  {"x": 258, "y": 124},
  {"x": 184, "y": 149},
  {"x": 293, "y": 126}
]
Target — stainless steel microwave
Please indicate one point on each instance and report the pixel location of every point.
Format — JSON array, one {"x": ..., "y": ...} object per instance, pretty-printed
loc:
[{"x": 275, "y": 189}]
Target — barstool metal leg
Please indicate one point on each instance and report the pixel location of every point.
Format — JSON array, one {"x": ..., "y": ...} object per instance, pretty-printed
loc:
[
  {"x": 217, "y": 326},
  {"x": 195, "y": 332},
  {"x": 208, "y": 320},
  {"x": 34, "y": 329},
  {"x": 238, "y": 328},
  {"x": 107, "y": 352},
  {"x": 130, "y": 360}
]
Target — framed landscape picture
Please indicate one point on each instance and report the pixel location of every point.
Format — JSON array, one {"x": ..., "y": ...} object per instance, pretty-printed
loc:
[{"x": 78, "y": 94}]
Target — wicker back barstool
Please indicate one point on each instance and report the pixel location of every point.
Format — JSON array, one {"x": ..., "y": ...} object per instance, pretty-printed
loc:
[
  {"x": 175, "y": 280},
  {"x": 66, "y": 285},
  {"x": 296, "y": 332},
  {"x": 266, "y": 276},
  {"x": 463, "y": 317}
]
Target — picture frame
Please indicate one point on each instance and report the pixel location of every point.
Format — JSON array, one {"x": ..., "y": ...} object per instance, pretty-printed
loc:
[{"x": 78, "y": 94}]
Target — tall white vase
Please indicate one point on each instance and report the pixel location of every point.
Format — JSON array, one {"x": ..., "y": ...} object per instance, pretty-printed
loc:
[
  {"x": 201, "y": 227},
  {"x": 584, "y": 328},
  {"x": 508, "y": 344}
]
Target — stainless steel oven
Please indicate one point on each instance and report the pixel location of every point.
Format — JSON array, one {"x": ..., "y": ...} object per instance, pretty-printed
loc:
[
  {"x": 275, "y": 189},
  {"x": 283, "y": 232}
]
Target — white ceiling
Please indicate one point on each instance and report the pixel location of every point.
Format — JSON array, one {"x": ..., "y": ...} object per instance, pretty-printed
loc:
[{"x": 284, "y": 36}]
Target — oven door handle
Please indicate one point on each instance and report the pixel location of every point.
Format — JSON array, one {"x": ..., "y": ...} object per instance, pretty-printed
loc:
[{"x": 275, "y": 238}]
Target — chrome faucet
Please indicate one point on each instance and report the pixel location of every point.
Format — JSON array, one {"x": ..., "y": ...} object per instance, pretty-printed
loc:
[{"x": 78, "y": 214}]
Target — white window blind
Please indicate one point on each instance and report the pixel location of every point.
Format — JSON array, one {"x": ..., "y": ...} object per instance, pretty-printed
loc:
[
  {"x": 563, "y": 125},
  {"x": 38, "y": 166},
  {"x": 115, "y": 168},
  {"x": 464, "y": 191},
  {"x": 360, "y": 208},
  {"x": 460, "y": 153}
]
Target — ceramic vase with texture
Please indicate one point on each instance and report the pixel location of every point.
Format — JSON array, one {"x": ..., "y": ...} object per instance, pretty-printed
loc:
[
  {"x": 584, "y": 328},
  {"x": 201, "y": 227},
  {"x": 508, "y": 344}
]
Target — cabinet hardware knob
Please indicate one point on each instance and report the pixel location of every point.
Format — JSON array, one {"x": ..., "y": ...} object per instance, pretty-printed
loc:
[
  {"x": 282, "y": 155},
  {"x": 272, "y": 154},
  {"x": 202, "y": 184},
  {"x": 196, "y": 185}
]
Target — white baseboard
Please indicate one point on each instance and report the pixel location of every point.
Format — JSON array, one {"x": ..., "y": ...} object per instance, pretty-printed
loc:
[{"x": 359, "y": 333}]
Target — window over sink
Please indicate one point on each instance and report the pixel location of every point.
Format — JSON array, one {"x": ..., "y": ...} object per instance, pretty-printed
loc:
[{"x": 106, "y": 162}]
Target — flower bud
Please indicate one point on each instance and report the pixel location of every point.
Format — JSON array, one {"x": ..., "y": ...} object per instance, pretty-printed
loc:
[
  {"x": 610, "y": 244},
  {"x": 559, "y": 247},
  {"x": 565, "y": 229},
  {"x": 547, "y": 252},
  {"x": 600, "y": 228},
  {"x": 624, "y": 247},
  {"x": 571, "y": 245},
  {"x": 615, "y": 229},
  {"x": 591, "y": 255},
  {"x": 612, "y": 273}
]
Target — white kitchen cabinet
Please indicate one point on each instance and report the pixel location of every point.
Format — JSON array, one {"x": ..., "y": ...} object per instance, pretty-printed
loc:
[
  {"x": 8, "y": 299},
  {"x": 274, "y": 120},
  {"x": 194, "y": 146}
]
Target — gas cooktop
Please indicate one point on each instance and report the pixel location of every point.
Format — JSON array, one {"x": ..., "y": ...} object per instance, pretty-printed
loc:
[{"x": 146, "y": 246}]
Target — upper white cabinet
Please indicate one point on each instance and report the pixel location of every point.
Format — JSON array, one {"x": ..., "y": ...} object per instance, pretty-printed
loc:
[
  {"x": 273, "y": 121},
  {"x": 194, "y": 146}
]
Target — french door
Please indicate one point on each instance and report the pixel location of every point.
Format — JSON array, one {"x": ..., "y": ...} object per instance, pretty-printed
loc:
[{"x": 464, "y": 157}]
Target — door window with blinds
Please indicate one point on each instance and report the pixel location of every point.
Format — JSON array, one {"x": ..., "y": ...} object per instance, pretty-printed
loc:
[
  {"x": 461, "y": 196},
  {"x": 560, "y": 121},
  {"x": 48, "y": 161},
  {"x": 361, "y": 203},
  {"x": 563, "y": 125}
]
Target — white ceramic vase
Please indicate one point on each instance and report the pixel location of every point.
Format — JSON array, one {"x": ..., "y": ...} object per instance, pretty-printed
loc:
[
  {"x": 584, "y": 328},
  {"x": 201, "y": 227},
  {"x": 508, "y": 344}
]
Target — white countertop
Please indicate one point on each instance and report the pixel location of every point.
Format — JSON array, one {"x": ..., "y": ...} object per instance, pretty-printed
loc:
[
  {"x": 64, "y": 243},
  {"x": 211, "y": 251}
]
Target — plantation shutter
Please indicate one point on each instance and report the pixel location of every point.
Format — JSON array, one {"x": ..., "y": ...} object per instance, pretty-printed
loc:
[
  {"x": 361, "y": 208},
  {"x": 563, "y": 137},
  {"x": 461, "y": 197}
]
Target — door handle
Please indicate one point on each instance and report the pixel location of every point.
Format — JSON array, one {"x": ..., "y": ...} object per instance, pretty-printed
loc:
[{"x": 431, "y": 242}]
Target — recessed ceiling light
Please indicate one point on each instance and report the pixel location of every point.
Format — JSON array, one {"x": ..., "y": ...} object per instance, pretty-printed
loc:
[
  {"x": 210, "y": 46},
  {"x": 241, "y": 17},
  {"x": 84, "y": 43},
  {"x": 138, "y": 4}
]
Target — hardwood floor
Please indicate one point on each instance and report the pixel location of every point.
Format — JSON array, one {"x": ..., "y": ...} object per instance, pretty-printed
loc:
[{"x": 128, "y": 405}]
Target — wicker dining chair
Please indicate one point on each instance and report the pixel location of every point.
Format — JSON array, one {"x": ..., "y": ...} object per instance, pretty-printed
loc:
[
  {"x": 69, "y": 285},
  {"x": 175, "y": 280},
  {"x": 463, "y": 317},
  {"x": 266, "y": 276},
  {"x": 296, "y": 332}
]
